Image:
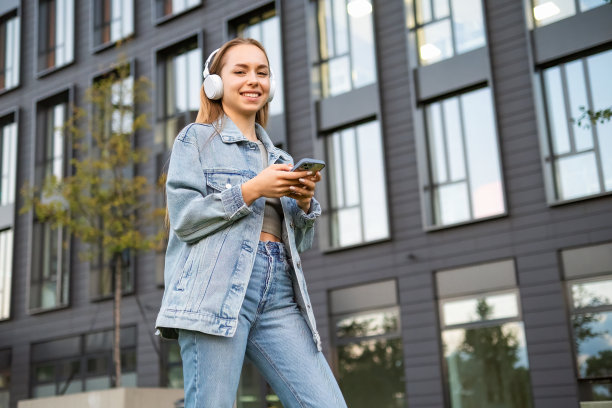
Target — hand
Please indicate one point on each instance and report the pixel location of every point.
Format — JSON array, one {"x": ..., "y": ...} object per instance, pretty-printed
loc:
[
  {"x": 274, "y": 181},
  {"x": 304, "y": 192}
]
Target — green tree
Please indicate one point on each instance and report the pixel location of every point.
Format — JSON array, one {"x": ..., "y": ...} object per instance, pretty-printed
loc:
[{"x": 103, "y": 203}]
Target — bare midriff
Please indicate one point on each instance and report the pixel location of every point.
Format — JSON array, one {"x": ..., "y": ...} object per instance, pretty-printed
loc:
[{"x": 266, "y": 236}]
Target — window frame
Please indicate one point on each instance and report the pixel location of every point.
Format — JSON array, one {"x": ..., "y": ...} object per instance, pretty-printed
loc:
[
  {"x": 5, "y": 13},
  {"x": 39, "y": 73},
  {"x": 39, "y": 104},
  {"x": 99, "y": 47},
  {"x": 157, "y": 20}
]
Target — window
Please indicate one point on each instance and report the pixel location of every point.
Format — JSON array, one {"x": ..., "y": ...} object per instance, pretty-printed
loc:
[
  {"x": 580, "y": 157},
  {"x": 345, "y": 54},
  {"x": 113, "y": 21},
  {"x": 82, "y": 363},
  {"x": 357, "y": 185},
  {"x": 464, "y": 159},
  {"x": 549, "y": 11},
  {"x": 483, "y": 340},
  {"x": 366, "y": 335},
  {"x": 102, "y": 277},
  {"x": 49, "y": 278},
  {"x": 9, "y": 50},
  {"x": 181, "y": 67},
  {"x": 167, "y": 8},
  {"x": 8, "y": 159},
  {"x": 55, "y": 33},
  {"x": 445, "y": 28},
  {"x": 265, "y": 28},
  {"x": 5, "y": 378},
  {"x": 172, "y": 364},
  {"x": 6, "y": 273},
  {"x": 588, "y": 271}
]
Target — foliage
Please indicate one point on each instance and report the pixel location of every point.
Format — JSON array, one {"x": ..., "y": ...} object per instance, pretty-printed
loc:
[{"x": 589, "y": 117}]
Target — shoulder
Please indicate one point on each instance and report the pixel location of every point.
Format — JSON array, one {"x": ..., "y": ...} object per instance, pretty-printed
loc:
[
  {"x": 286, "y": 157},
  {"x": 194, "y": 132}
]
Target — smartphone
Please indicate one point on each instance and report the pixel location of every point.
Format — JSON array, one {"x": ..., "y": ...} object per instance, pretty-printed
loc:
[{"x": 308, "y": 165}]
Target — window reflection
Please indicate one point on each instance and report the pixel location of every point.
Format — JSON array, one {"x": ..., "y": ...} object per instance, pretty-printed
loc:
[
  {"x": 113, "y": 20},
  {"x": 8, "y": 162},
  {"x": 10, "y": 41},
  {"x": 492, "y": 307},
  {"x": 592, "y": 325},
  {"x": 357, "y": 185},
  {"x": 582, "y": 155},
  {"x": 464, "y": 158},
  {"x": 346, "y": 46},
  {"x": 56, "y": 33},
  {"x": 549, "y": 11},
  {"x": 170, "y": 7},
  {"x": 445, "y": 28}
]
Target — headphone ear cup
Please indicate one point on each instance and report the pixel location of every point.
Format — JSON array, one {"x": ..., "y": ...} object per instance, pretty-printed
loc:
[
  {"x": 213, "y": 87},
  {"x": 272, "y": 89}
]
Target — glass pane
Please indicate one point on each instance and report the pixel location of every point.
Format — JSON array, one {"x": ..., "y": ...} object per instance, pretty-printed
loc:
[
  {"x": 372, "y": 181},
  {"x": 340, "y": 27},
  {"x": 5, "y": 397},
  {"x": 454, "y": 139},
  {"x": 368, "y": 324},
  {"x": 249, "y": 389},
  {"x": 549, "y": 11},
  {"x": 97, "y": 383},
  {"x": 601, "y": 88},
  {"x": 437, "y": 146},
  {"x": 350, "y": 168},
  {"x": 592, "y": 333},
  {"x": 347, "y": 227},
  {"x": 576, "y": 87},
  {"x": 180, "y": 82},
  {"x": 468, "y": 25},
  {"x": 451, "y": 204},
  {"x": 97, "y": 365},
  {"x": 589, "y": 4},
  {"x": 435, "y": 42},
  {"x": 482, "y": 154},
  {"x": 371, "y": 374},
  {"x": 423, "y": 11},
  {"x": 479, "y": 309},
  {"x": 557, "y": 117},
  {"x": 174, "y": 353},
  {"x": 441, "y": 8},
  {"x": 336, "y": 177},
  {"x": 129, "y": 379},
  {"x": 595, "y": 390},
  {"x": 102, "y": 341},
  {"x": 6, "y": 272},
  {"x": 175, "y": 377},
  {"x": 577, "y": 176},
  {"x": 487, "y": 367},
  {"x": 12, "y": 52},
  {"x": 362, "y": 49},
  {"x": 592, "y": 294},
  {"x": 45, "y": 373},
  {"x": 272, "y": 43},
  {"x": 47, "y": 390},
  {"x": 339, "y": 76}
]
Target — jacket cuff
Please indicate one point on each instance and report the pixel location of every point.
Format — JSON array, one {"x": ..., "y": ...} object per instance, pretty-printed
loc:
[
  {"x": 303, "y": 219},
  {"x": 234, "y": 204}
]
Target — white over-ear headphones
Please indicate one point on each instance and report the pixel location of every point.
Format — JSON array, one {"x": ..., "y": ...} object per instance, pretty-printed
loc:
[{"x": 213, "y": 85}]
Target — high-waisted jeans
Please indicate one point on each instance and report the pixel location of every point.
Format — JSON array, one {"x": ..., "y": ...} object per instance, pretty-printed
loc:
[{"x": 274, "y": 336}]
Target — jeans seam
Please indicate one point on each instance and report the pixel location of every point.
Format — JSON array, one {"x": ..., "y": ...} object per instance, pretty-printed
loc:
[{"x": 269, "y": 360}]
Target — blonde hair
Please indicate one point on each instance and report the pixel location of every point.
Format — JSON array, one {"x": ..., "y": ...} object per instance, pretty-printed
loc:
[{"x": 211, "y": 111}]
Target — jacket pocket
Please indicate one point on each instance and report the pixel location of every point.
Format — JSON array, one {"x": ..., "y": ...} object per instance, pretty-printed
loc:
[
  {"x": 188, "y": 267},
  {"x": 221, "y": 179}
]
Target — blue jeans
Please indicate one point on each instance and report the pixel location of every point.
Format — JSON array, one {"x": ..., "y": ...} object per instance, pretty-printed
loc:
[{"x": 274, "y": 336}]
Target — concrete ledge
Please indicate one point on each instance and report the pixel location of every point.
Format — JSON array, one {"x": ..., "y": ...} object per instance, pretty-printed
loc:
[{"x": 115, "y": 398}]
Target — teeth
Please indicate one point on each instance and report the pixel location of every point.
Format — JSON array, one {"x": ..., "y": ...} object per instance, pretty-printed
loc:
[{"x": 251, "y": 95}]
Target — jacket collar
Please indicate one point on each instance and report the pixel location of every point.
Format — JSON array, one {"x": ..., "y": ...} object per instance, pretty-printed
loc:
[{"x": 231, "y": 134}]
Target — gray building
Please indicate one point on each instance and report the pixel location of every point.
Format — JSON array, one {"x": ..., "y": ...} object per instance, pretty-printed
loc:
[{"x": 464, "y": 258}]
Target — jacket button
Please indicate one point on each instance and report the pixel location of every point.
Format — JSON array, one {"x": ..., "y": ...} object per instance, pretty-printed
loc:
[
  {"x": 291, "y": 225},
  {"x": 299, "y": 264},
  {"x": 228, "y": 185},
  {"x": 308, "y": 306}
]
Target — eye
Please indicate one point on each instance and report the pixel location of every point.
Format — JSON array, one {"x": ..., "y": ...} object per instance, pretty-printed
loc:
[
  {"x": 239, "y": 72},
  {"x": 262, "y": 74}
]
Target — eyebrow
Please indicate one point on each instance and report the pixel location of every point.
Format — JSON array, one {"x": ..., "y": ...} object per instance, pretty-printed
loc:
[{"x": 246, "y": 66}]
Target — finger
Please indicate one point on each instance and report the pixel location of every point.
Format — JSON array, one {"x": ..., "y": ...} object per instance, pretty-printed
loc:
[
  {"x": 304, "y": 192},
  {"x": 294, "y": 175},
  {"x": 307, "y": 183},
  {"x": 282, "y": 167}
]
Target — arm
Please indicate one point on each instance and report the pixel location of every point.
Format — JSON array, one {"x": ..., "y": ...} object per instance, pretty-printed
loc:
[
  {"x": 193, "y": 213},
  {"x": 304, "y": 223}
]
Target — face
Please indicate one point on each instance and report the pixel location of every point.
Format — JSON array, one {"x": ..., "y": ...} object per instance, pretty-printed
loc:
[{"x": 246, "y": 80}]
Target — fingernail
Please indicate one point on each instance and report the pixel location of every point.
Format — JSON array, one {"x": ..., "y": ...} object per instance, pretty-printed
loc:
[
  {"x": 309, "y": 173},
  {"x": 292, "y": 188},
  {"x": 301, "y": 180}
]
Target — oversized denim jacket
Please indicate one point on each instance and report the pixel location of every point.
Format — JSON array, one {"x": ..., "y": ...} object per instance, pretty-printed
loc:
[{"x": 214, "y": 234}]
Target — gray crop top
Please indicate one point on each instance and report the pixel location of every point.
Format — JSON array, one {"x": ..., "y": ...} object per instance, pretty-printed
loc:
[{"x": 273, "y": 212}]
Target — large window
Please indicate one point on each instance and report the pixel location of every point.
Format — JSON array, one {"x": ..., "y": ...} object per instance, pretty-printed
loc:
[
  {"x": 82, "y": 363},
  {"x": 55, "y": 33},
  {"x": 171, "y": 364},
  {"x": 483, "y": 340},
  {"x": 356, "y": 185},
  {"x": 5, "y": 378},
  {"x": 368, "y": 346},
  {"x": 49, "y": 278},
  {"x": 588, "y": 271},
  {"x": 180, "y": 66},
  {"x": 265, "y": 28},
  {"x": 345, "y": 54},
  {"x": 549, "y": 11},
  {"x": 8, "y": 159},
  {"x": 6, "y": 273},
  {"x": 9, "y": 50},
  {"x": 168, "y": 8},
  {"x": 113, "y": 21},
  {"x": 445, "y": 28},
  {"x": 580, "y": 155},
  {"x": 464, "y": 159}
]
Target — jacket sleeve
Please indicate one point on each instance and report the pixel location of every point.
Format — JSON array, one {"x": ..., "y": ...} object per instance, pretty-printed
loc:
[
  {"x": 304, "y": 223},
  {"x": 194, "y": 214}
]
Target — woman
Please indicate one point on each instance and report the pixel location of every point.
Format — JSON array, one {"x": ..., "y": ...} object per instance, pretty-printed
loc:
[{"x": 239, "y": 218}]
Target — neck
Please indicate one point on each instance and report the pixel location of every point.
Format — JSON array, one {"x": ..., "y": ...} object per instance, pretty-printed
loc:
[{"x": 246, "y": 124}]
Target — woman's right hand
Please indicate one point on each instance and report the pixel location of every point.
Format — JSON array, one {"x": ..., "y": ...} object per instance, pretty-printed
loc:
[{"x": 274, "y": 181}]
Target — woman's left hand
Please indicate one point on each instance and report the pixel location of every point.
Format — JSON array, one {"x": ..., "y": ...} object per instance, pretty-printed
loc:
[{"x": 304, "y": 192}]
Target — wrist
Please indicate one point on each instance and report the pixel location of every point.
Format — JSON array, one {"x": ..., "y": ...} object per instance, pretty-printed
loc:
[
  {"x": 249, "y": 192},
  {"x": 304, "y": 205}
]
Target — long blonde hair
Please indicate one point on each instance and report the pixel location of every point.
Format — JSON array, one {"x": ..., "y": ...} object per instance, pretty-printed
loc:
[{"x": 210, "y": 111}]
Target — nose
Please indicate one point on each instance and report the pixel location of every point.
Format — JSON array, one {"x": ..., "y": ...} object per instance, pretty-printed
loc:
[{"x": 252, "y": 78}]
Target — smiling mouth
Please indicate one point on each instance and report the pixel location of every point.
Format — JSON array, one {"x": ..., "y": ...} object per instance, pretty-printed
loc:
[{"x": 251, "y": 94}]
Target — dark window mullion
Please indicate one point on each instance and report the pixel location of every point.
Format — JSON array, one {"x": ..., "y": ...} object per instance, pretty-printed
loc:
[
  {"x": 568, "y": 109},
  {"x": 465, "y": 159},
  {"x": 445, "y": 143}
]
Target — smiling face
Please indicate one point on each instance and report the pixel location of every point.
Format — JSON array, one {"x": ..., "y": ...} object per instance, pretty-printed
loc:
[{"x": 246, "y": 80}]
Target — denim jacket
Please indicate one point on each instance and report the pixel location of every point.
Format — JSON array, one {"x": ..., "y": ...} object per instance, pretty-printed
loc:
[{"x": 214, "y": 234}]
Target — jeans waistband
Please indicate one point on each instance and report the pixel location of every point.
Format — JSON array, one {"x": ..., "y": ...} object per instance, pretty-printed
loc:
[{"x": 276, "y": 249}]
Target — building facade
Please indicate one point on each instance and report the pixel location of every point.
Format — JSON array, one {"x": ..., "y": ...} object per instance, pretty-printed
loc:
[{"x": 464, "y": 256}]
